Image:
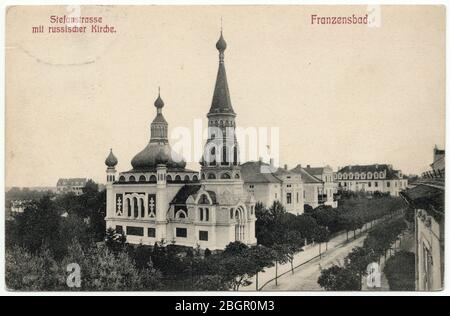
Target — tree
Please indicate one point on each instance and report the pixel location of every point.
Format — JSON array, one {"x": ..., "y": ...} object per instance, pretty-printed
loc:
[
  {"x": 39, "y": 225},
  {"x": 26, "y": 271},
  {"x": 338, "y": 278},
  {"x": 114, "y": 241},
  {"x": 358, "y": 260},
  {"x": 400, "y": 271},
  {"x": 103, "y": 270}
]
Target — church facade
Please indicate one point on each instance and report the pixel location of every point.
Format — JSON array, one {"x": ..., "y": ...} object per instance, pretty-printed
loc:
[{"x": 159, "y": 200}]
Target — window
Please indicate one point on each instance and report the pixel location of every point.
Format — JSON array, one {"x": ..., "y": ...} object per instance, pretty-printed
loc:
[
  {"x": 203, "y": 235},
  {"x": 369, "y": 175},
  {"x": 375, "y": 175},
  {"x": 135, "y": 231},
  {"x": 289, "y": 185},
  {"x": 276, "y": 196},
  {"x": 195, "y": 178},
  {"x": 345, "y": 176},
  {"x": 340, "y": 176},
  {"x": 204, "y": 214},
  {"x": 186, "y": 178},
  {"x": 298, "y": 198},
  {"x": 388, "y": 184},
  {"x": 370, "y": 184},
  {"x": 151, "y": 232},
  {"x": 251, "y": 186},
  {"x": 231, "y": 214},
  {"x": 357, "y": 176},
  {"x": 376, "y": 184},
  {"x": 211, "y": 176},
  {"x": 132, "y": 179},
  {"x": 178, "y": 178},
  {"x": 181, "y": 232},
  {"x": 119, "y": 229},
  {"x": 225, "y": 176},
  {"x": 289, "y": 198},
  {"x": 350, "y": 176},
  {"x": 142, "y": 179}
]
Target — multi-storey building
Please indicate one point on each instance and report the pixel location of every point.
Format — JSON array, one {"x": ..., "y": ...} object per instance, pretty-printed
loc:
[
  {"x": 74, "y": 185},
  {"x": 312, "y": 187},
  {"x": 427, "y": 198},
  {"x": 329, "y": 189},
  {"x": 269, "y": 184},
  {"x": 371, "y": 178}
]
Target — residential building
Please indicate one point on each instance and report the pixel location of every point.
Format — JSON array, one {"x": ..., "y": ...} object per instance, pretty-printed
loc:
[
  {"x": 312, "y": 187},
  {"x": 74, "y": 185},
  {"x": 329, "y": 190},
  {"x": 371, "y": 178},
  {"x": 427, "y": 199},
  {"x": 269, "y": 184}
]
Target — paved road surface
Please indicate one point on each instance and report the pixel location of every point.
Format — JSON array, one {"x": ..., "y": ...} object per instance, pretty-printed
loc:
[{"x": 305, "y": 277}]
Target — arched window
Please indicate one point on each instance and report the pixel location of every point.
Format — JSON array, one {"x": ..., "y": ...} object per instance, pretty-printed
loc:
[
  {"x": 132, "y": 179},
  {"x": 135, "y": 207},
  {"x": 201, "y": 214},
  {"x": 224, "y": 155},
  {"x": 203, "y": 200},
  {"x": 235, "y": 156},
  {"x": 225, "y": 176},
  {"x": 231, "y": 213},
  {"x": 153, "y": 178},
  {"x": 181, "y": 214},
  {"x": 129, "y": 207},
  {"x": 178, "y": 178},
  {"x": 142, "y": 208},
  {"x": 186, "y": 178},
  {"x": 169, "y": 178},
  {"x": 142, "y": 178},
  {"x": 236, "y": 176},
  {"x": 203, "y": 176},
  {"x": 212, "y": 158},
  {"x": 211, "y": 176},
  {"x": 122, "y": 179},
  {"x": 195, "y": 178}
]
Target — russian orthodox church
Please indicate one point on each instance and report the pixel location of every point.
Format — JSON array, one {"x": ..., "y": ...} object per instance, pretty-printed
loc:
[{"x": 159, "y": 200}]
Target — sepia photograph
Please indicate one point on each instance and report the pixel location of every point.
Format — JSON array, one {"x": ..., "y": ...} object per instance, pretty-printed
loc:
[{"x": 224, "y": 149}]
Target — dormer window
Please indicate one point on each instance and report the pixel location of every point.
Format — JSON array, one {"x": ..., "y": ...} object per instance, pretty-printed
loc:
[
  {"x": 369, "y": 175},
  {"x": 356, "y": 176},
  {"x": 363, "y": 176},
  {"x": 350, "y": 176},
  {"x": 375, "y": 175}
]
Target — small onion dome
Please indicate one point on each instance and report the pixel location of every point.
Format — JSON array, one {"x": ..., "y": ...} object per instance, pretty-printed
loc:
[
  {"x": 221, "y": 45},
  {"x": 111, "y": 160},
  {"x": 159, "y": 103}
]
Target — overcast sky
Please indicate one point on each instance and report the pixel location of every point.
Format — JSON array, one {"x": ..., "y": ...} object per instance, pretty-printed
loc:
[{"x": 340, "y": 94}]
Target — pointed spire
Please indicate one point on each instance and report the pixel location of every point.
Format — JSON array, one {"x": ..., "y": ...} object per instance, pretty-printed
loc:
[{"x": 221, "y": 102}]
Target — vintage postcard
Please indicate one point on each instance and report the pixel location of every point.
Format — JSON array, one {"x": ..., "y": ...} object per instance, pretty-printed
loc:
[{"x": 224, "y": 148}]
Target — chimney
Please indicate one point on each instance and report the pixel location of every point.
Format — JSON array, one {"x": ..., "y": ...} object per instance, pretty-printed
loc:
[
  {"x": 308, "y": 166},
  {"x": 376, "y": 166},
  {"x": 350, "y": 167},
  {"x": 285, "y": 167},
  {"x": 271, "y": 162}
]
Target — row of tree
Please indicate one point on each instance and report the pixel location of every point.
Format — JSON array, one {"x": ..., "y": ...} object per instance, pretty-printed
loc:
[
  {"x": 353, "y": 214},
  {"x": 349, "y": 276}
]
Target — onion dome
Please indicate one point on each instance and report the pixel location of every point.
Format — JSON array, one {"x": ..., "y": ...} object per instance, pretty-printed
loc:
[
  {"x": 221, "y": 45},
  {"x": 111, "y": 161},
  {"x": 159, "y": 103},
  {"x": 155, "y": 154}
]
